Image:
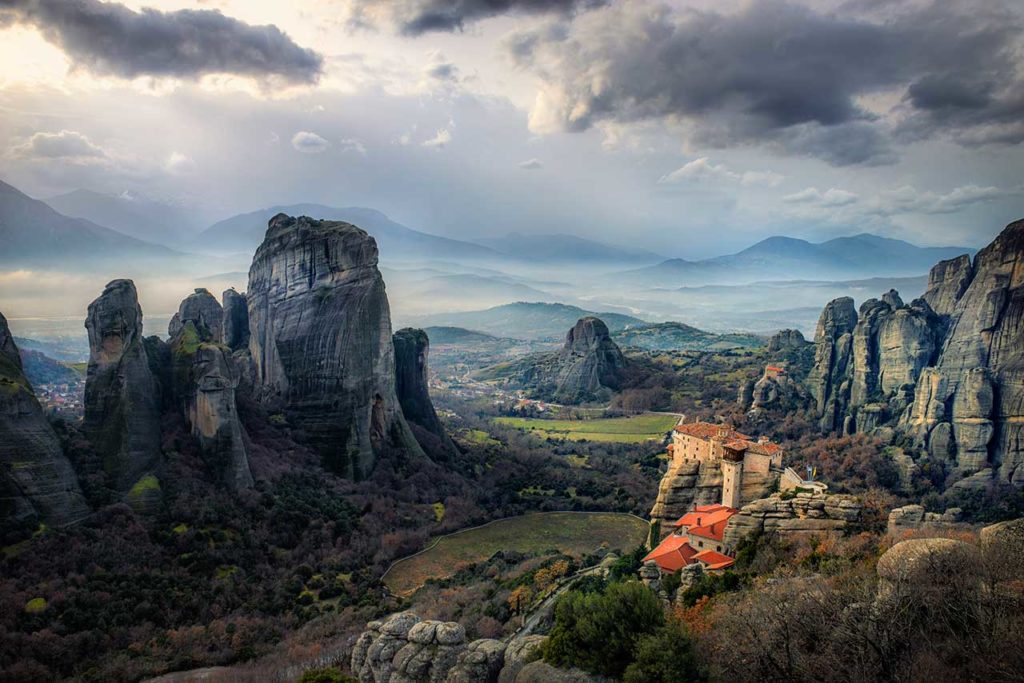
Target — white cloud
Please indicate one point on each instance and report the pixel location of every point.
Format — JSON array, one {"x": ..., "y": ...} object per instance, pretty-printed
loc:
[
  {"x": 830, "y": 198},
  {"x": 702, "y": 169},
  {"x": 352, "y": 145},
  {"x": 531, "y": 164},
  {"x": 907, "y": 199},
  {"x": 179, "y": 164},
  {"x": 67, "y": 145},
  {"x": 309, "y": 143},
  {"x": 843, "y": 205},
  {"x": 442, "y": 138}
]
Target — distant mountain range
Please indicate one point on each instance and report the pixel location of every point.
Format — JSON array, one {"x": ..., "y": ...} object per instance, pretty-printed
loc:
[
  {"x": 457, "y": 335},
  {"x": 675, "y": 336},
  {"x": 245, "y": 232},
  {"x": 133, "y": 215},
  {"x": 565, "y": 248},
  {"x": 523, "y": 320},
  {"x": 788, "y": 258},
  {"x": 34, "y": 234}
]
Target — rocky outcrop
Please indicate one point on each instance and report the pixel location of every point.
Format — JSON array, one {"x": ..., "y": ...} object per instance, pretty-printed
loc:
[
  {"x": 412, "y": 348},
  {"x": 866, "y": 365},
  {"x": 926, "y": 562},
  {"x": 37, "y": 481},
  {"x": 321, "y": 341},
  {"x": 205, "y": 380},
  {"x": 236, "y": 320},
  {"x": 588, "y": 368},
  {"x": 829, "y": 380},
  {"x": 971, "y": 407},
  {"x": 786, "y": 340},
  {"x": 947, "y": 370},
  {"x": 687, "y": 483},
  {"x": 203, "y": 309},
  {"x": 590, "y": 363},
  {"x": 122, "y": 396},
  {"x": 405, "y": 649},
  {"x": 914, "y": 517},
  {"x": 804, "y": 514}
]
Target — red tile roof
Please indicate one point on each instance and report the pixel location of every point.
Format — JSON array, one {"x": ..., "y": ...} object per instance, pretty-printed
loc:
[
  {"x": 766, "y": 448},
  {"x": 672, "y": 554},
  {"x": 775, "y": 368},
  {"x": 715, "y": 531},
  {"x": 707, "y": 520},
  {"x": 706, "y": 430},
  {"x": 733, "y": 439},
  {"x": 714, "y": 560}
]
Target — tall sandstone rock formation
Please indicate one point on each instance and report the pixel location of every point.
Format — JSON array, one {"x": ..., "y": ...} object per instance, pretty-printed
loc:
[
  {"x": 236, "y": 320},
  {"x": 205, "y": 379},
  {"x": 590, "y": 364},
  {"x": 412, "y": 350},
  {"x": 947, "y": 370},
  {"x": 122, "y": 394},
  {"x": 36, "y": 479},
  {"x": 321, "y": 340}
]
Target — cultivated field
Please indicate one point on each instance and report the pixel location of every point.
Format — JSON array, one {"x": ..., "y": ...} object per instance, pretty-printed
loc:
[
  {"x": 572, "y": 533},
  {"x": 636, "y": 429}
]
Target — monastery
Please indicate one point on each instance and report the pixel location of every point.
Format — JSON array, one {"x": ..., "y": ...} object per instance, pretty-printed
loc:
[{"x": 698, "y": 535}]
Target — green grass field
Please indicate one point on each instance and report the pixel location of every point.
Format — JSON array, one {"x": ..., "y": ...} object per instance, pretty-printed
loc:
[
  {"x": 572, "y": 533},
  {"x": 636, "y": 429}
]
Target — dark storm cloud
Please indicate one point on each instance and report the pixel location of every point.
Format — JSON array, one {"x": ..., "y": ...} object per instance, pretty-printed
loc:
[
  {"x": 111, "y": 39},
  {"x": 415, "y": 17},
  {"x": 779, "y": 73}
]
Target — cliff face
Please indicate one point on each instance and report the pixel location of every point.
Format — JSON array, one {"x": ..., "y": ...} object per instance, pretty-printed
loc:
[
  {"x": 122, "y": 397},
  {"x": 866, "y": 365},
  {"x": 970, "y": 407},
  {"x": 590, "y": 363},
  {"x": 36, "y": 479},
  {"x": 412, "y": 349},
  {"x": 806, "y": 514},
  {"x": 689, "y": 482},
  {"x": 321, "y": 340},
  {"x": 947, "y": 370},
  {"x": 236, "y": 320},
  {"x": 204, "y": 382}
]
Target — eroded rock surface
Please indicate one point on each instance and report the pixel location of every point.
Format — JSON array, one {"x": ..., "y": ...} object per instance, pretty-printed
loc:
[
  {"x": 37, "y": 481},
  {"x": 122, "y": 396},
  {"x": 947, "y": 370},
  {"x": 590, "y": 363},
  {"x": 205, "y": 313},
  {"x": 236, "y": 320},
  {"x": 321, "y": 341},
  {"x": 205, "y": 382},
  {"x": 412, "y": 348},
  {"x": 786, "y": 340},
  {"x": 806, "y": 513},
  {"x": 404, "y": 649}
]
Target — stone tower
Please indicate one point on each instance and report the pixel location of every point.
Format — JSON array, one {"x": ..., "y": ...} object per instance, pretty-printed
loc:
[{"x": 732, "y": 476}]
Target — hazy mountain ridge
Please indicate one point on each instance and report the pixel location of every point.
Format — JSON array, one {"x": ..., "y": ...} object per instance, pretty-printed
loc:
[
  {"x": 244, "y": 232},
  {"x": 525, "y": 320},
  {"x": 788, "y": 258},
  {"x": 135, "y": 216},
  {"x": 563, "y": 247},
  {"x": 34, "y": 234}
]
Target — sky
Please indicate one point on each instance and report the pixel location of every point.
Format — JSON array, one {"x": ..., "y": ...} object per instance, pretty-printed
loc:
[{"x": 689, "y": 128}]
